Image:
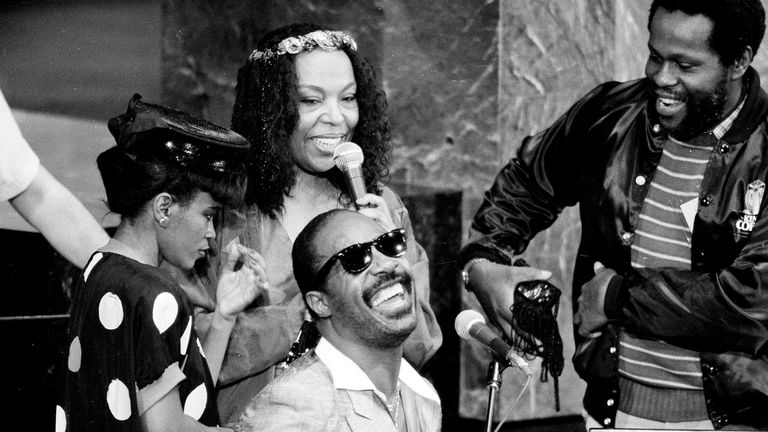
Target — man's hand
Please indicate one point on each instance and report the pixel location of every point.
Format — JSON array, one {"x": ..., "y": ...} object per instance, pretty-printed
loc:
[
  {"x": 494, "y": 286},
  {"x": 590, "y": 315}
]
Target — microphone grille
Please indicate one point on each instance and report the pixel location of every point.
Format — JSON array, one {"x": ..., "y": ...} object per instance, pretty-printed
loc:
[
  {"x": 347, "y": 154},
  {"x": 465, "y": 320}
]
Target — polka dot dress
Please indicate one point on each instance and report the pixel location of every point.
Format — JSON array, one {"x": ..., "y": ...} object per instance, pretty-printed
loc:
[{"x": 130, "y": 326}]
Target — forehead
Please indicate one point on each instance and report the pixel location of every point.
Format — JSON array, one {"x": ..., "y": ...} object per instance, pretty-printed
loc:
[
  {"x": 678, "y": 33},
  {"x": 202, "y": 199},
  {"x": 345, "y": 231},
  {"x": 323, "y": 68}
]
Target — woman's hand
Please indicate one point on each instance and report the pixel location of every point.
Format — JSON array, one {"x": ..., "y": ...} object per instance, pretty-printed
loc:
[
  {"x": 242, "y": 278},
  {"x": 376, "y": 208}
]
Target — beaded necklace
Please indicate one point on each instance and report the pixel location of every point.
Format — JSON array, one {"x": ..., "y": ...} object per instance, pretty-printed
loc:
[{"x": 394, "y": 406}]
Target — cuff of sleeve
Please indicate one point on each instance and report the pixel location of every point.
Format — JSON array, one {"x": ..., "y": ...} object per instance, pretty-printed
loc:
[
  {"x": 149, "y": 395},
  {"x": 614, "y": 298},
  {"x": 474, "y": 250}
]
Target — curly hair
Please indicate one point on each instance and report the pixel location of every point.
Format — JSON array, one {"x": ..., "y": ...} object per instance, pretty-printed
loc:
[
  {"x": 266, "y": 112},
  {"x": 736, "y": 23}
]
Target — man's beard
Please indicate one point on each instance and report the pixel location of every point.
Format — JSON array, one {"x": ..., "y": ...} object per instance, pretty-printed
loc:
[
  {"x": 365, "y": 328},
  {"x": 703, "y": 110}
]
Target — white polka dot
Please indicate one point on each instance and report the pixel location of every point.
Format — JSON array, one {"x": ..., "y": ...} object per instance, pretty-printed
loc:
[
  {"x": 185, "y": 337},
  {"x": 95, "y": 260},
  {"x": 110, "y": 311},
  {"x": 61, "y": 419},
  {"x": 200, "y": 347},
  {"x": 75, "y": 355},
  {"x": 118, "y": 400},
  {"x": 164, "y": 311},
  {"x": 195, "y": 403}
]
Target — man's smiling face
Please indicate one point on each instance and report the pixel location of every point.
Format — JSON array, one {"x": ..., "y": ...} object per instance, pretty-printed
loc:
[
  {"x": 377, "y": 305},
  {"x": 691, "y": 83}
]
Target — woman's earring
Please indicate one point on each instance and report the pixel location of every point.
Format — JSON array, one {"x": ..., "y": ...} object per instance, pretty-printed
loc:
[{"x": 163, "y": 221}]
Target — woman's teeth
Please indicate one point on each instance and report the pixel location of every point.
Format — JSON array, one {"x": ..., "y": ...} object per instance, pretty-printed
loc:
[{"x": 327, "y": 144}]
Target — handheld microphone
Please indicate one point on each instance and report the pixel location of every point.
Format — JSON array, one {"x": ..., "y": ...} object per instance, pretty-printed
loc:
[
  {"x": 348, "y": 158},
  {"x": 470, "y": 324}
]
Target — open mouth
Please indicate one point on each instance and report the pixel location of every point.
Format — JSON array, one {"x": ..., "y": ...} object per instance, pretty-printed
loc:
[
  {"x": 391, "y": 295},
  {"x": 667, "y": 107},
  {"x": 669, "y": 104},
  {"x": 328, "y": 144},
  {"x": 394, "y": 293}
]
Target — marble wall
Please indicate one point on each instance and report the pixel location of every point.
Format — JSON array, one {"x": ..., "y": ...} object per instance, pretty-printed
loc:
[
  {"x": 466, "y": 82},
  {"x": 550, "y": 53}
]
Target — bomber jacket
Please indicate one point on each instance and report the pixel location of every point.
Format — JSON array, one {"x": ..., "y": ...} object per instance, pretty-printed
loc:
[{"x": 601, "y": 154}]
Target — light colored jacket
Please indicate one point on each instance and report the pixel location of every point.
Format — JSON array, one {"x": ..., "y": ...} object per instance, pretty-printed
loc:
[{"x": 314, "y": 396}]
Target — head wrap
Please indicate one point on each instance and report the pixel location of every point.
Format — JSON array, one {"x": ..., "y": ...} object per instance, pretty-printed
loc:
[{"x": 177, "y": 136}]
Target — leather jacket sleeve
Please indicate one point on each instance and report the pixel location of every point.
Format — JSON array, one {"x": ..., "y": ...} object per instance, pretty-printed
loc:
[
  {"x": 529, "y": 193},
  {"x": 725, "y": 309}
]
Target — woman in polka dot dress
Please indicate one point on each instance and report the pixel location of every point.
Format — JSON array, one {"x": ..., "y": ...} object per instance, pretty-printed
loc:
[{"x": 134, "y": 360}]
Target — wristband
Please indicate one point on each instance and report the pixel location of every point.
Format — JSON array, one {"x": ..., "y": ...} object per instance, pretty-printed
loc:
[{"x": 468, "y": 268}]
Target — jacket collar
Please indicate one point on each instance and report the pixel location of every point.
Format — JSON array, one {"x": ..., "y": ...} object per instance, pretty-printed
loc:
[
  {"x": 347, "y": 375},
  {"x": 754, "y": 111}
]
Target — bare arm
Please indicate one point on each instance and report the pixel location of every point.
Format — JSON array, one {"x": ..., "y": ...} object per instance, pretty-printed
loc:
[
  {"x": 62, "y": 219},
  {"x": 235, "y": 291}
]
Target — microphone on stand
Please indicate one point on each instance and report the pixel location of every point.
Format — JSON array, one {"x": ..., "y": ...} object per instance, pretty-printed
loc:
[
  {"x": 348, "y": 158},
  {"x": 470, "y": 324}
]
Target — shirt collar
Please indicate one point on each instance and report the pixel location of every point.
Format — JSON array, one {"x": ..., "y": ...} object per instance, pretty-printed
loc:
[
  {"x": 721, "y": 129},
  {"x": 347, "y": 375}
]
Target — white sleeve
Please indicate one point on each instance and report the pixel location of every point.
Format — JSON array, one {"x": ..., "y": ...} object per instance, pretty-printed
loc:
[{"x": 18, "y": 163}]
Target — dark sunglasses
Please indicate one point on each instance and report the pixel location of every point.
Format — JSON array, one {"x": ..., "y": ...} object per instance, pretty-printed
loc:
[{"x": 358, "y": 257}]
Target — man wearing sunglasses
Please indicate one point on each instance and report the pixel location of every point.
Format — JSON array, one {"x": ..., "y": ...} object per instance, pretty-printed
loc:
[{"x": 357, "y": 285}]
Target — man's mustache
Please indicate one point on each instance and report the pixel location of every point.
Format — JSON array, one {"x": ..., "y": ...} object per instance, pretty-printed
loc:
[{"x": 388, "y": 279}]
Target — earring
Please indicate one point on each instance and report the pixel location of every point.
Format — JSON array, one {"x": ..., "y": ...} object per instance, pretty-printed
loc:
[{"x": 163, "y": 221}]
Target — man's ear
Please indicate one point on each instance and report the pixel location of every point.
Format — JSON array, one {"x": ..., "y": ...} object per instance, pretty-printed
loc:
[
  {"x": 318, "y": 302},
  {"x": 741, "y": 64},
  {"x": 161, "y": 206}
]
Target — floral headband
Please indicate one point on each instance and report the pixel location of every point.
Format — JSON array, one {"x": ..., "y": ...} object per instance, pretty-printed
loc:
[{"x": 325, "y": 39}]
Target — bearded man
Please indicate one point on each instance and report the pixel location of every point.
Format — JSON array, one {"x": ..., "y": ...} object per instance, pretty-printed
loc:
[{"x": 670, "y": 280}]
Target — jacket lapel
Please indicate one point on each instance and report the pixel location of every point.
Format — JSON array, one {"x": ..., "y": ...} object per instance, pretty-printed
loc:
[
  {"x": 364, "y": 414},
  {"x": 421, "y": 414}
]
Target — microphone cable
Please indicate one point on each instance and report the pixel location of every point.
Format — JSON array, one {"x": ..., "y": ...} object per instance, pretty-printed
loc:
[{"x": 509, "y": 411}]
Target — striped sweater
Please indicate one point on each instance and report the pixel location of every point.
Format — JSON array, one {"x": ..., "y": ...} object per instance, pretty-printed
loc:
[{"x": 660, "y": 381}]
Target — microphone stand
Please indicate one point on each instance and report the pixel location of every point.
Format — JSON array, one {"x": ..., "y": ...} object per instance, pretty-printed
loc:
[{"x": 494, "y": 385}]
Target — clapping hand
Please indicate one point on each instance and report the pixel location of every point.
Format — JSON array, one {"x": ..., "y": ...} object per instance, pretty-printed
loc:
[{"x": 241, "y": 279}]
